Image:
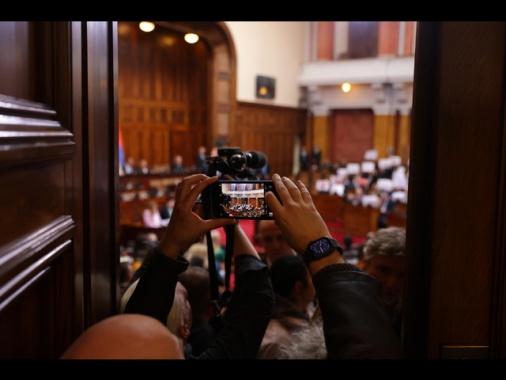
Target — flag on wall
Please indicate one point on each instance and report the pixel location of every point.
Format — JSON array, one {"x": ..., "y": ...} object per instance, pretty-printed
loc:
[{"x": 121, "y": 150}]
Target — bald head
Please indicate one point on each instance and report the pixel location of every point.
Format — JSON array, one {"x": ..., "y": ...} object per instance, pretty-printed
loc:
[{"x": 126, "y": 336}]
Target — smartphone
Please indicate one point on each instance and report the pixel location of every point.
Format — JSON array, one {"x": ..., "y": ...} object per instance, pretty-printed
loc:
[{"x": 240, "y": 199}]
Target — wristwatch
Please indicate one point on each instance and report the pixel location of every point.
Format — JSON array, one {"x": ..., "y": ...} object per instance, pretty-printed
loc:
[{"x": 320, "y": 248}]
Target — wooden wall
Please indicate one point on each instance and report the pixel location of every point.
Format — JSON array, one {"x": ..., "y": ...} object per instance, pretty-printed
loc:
[
  {"x": 58, "y": 170},
  {"x": 165, "y": 107},
  {"x": 272, "y": 130},
  {"x": 455, "y": 300},
  {"x": 58, "y": 262},
  {"x": 345, "y": 135},
  {"x": 351, "y": 135},
  {"x": 163, "y": 94}
]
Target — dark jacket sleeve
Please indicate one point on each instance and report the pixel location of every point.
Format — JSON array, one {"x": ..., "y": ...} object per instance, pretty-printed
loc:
[
  {"x": 154, "y": 293},
  {"x": 355, "y": 319},
  {"x": 248, "y": 312}
]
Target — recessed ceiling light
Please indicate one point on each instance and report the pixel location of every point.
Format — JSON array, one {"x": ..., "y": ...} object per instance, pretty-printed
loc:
[
  {"x": 191, "y": 38},
  {"x": 146, "y": 26}
]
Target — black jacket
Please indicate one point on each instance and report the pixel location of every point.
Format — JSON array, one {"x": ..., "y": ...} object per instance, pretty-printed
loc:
[
  {"x": 247, "y": 314},
  {"x": 356, "y": 323},
  {"x": 355, "y": 318}
]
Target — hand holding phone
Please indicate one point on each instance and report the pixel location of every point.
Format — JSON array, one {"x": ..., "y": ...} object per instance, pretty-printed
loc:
[{"x": 239, "y": 199}]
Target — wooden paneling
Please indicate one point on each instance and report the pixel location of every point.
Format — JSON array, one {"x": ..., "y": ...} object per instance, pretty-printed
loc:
[
  {"x": 455, "y": 278},
  {"x": 58, "y": 138},
  {"x": 130, "y": 233},
  {"x": 36, "y": 314},
  {"x": 163, "y": 93},
  {"x": 403, "y": 137},
  {"x": 16, "y": 37},
  {"x": 135, "y": 191},
  {"x": 37, "y": 297},
  {"x": 100, "y": 162},
  {"x": 330, "y": 207},
  {"x": 164, "y": 100},
  {"x": 359, "y": 220},
  {"x": 351, "y": 134},
  {"x": 271, "y": 130}
]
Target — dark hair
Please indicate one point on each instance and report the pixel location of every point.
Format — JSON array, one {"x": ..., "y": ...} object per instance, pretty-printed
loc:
[
  {"x": 285, "y": 271},
  {"x": 197, "y": 261},
  {"x": 348, "y": 241},
  {"x": 196, "y": 281}
]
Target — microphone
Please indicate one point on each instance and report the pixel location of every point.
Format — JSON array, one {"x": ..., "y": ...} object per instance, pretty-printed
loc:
[
  {"x": 251, "y": 159},
  {"x": 255, "y": 160}
]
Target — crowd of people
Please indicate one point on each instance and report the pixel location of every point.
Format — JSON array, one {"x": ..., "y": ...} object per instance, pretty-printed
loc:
[
  {"x": 380, "y": 183},
  {"x": 299, "y": 286},
  {"x": 176, "y": 166}
]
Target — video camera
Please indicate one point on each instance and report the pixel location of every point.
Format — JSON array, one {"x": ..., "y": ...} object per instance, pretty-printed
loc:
[
  {"x": 241, "y": 167},
  {"x": 243, "y": 196},
  {"x": 237, "y": 164}
]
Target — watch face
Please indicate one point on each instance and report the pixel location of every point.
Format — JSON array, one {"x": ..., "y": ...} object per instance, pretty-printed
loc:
[{"x": 320, "y": 246}]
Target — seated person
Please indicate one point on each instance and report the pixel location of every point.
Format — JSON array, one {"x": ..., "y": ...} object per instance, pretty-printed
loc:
[
  {"x": 178, "y": 165},
  {"x": 151, "y": 215},
  {"x": 294, "y": 294},
  {"x": 143, "y": 167},
  {"x": 166, "y": 211}
]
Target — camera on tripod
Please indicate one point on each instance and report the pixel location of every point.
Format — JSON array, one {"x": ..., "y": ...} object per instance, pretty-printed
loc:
[
  {"x": 243, "y": 196},
  {"x": 237, "y": 164}
]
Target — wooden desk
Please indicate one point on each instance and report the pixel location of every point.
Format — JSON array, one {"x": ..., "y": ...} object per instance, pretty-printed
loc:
[
  {"x": 397, "y": 217},
  {"x": 130, "y": 212},
  {"x": 330, "y": 207},
  {"x": 359, "y": 220},
  {"x": 136, "y": 191},
  {"x": 130, "y": 233}
]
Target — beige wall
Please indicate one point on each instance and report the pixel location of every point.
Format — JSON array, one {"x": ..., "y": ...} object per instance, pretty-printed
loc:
[
  {"x": 278, "y": 50},
  {"x": 269, "y": 48}
]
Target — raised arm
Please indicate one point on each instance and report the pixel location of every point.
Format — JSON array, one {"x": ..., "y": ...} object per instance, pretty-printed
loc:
[
  {"x": 250, "y": 307},
  {"x": 355, "y": 320},
  {"x": 155, "y": 291}
]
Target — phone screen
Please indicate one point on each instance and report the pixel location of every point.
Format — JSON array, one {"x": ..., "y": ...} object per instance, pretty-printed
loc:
[{"x": 241, "y": 199}]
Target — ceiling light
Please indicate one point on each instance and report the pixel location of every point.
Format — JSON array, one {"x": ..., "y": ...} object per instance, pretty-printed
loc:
[
  {"x": 191, "y": 38},
  {"x": 346, "y": 87},
  {"x": 146, "y": 26}
]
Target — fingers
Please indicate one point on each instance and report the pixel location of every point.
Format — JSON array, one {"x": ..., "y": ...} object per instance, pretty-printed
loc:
[
  {"x": 195, "y": 181},
  {"x": 271, "y": 200},
  {"x": 296, "y": 215},
  {"x": 185, "y": 224},
  {"x": 189, "y": 189},
  {"x": 304, "y": 192},
  {"x": 288, "y": 190}
]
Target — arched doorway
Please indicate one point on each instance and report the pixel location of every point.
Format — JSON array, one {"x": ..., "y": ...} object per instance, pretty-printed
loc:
[{"x": 185, "y": 95}]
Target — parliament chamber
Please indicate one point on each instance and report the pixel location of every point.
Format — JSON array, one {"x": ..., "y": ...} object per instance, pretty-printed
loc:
[{"x": 73, "y": 90}]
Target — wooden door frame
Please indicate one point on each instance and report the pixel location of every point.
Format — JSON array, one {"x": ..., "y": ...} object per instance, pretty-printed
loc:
[{"x": 455, "y": 302}]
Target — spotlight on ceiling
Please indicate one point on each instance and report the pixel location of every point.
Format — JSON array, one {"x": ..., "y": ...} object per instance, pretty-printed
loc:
[
  {"x": 146, "y": 26},
  {"x": 191, "y": 38},
  {"x": 346, "y": 87}
]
